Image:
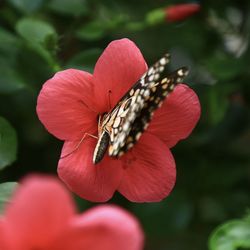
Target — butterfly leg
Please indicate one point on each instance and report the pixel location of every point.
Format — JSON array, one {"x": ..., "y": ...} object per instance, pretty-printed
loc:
[{"x": 79, "y": 143}]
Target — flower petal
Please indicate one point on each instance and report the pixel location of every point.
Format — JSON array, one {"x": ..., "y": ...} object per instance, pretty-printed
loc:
[
  {"x": 3, "y": 240},
  {"x": 92, "y": 182},
  {"x": 39, "y": 211},
  {"x": 65, "y": 105},
  {"x": 149, "y": 171},
  {"x": 117, "y": 69},
  {"x": 177, "y": 117},
  {"x": 103, "y": 228}
]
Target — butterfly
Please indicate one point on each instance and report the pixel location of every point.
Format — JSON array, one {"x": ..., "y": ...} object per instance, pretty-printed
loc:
[{"x": 121, "y": 128}]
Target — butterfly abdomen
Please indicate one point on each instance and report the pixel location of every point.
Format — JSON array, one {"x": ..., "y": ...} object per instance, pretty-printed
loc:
[{"x": 101, "y": 147}]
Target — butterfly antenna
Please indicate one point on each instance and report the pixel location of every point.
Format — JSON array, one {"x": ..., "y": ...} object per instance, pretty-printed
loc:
[{"x": 78, "y": 145}]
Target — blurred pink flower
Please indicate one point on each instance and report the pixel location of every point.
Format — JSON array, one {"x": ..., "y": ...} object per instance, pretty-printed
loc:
[
  {"x": 180, "y": 12},
  {"x": 69, "y": 105},
  {"x": 41, "y": 215}
]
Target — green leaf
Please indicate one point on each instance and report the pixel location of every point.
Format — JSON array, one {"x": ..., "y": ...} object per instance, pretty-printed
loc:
[
  {"x": 167, "y": 217},
  {"x": 6, "y": 190},
  {"x": 35, "y": 31},
  {"x": 8, "y": 143},
  {"x": 9, "y": 43},
  {"x": 66, "y": 7},
  {"x": 85, "y": 60},
  {"x": 218, "y": 103},
  {"x": 231, "y": 236},
  {"x": 10, "y": 80},
  {"x": 26, "y": 6},
  {"x": 92, "y": 31},
  {"x": 41, "y": 37},
  {"x": 225, "y": 67}
]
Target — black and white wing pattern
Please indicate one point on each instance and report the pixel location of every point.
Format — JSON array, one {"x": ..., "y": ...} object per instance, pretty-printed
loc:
[{"x": 136, "y": 108}]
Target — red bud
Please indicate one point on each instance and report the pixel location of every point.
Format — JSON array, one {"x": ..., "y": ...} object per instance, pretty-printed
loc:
[{"x": 180, "y": 12}]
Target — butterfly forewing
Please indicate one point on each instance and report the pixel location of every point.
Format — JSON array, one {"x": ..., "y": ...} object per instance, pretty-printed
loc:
[
  {"x": 136, "y": 98},
  {"x": 137, "y": 120}
]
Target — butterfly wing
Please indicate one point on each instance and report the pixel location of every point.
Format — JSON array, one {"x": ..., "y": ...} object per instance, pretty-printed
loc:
[
  {"x": 144, "y": 98},
  {"x": 143, "y": 117}
]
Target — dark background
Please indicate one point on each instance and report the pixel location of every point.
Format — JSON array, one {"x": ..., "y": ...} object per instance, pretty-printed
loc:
[{"x": 40, "y": 37}]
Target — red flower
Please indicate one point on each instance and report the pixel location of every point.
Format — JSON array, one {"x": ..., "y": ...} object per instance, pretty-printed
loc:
[
  {"x": 42, "y": 215},
  {"x": 180, "y": 12},
  {"x": 68, "y": 106}
]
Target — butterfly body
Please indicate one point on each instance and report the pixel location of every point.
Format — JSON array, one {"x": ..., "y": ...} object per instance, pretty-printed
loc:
[
  {"x": 122, "y": 127},
  {"x": 101, "y": 147}
]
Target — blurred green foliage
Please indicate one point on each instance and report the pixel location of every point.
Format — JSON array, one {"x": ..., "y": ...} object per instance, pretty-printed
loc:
[
  {"x": 40, "y": 37},
  {"x": 232, "y": 235},
  {"x": 7, "y": 189},
  {"x": 8, "y": 143}
]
